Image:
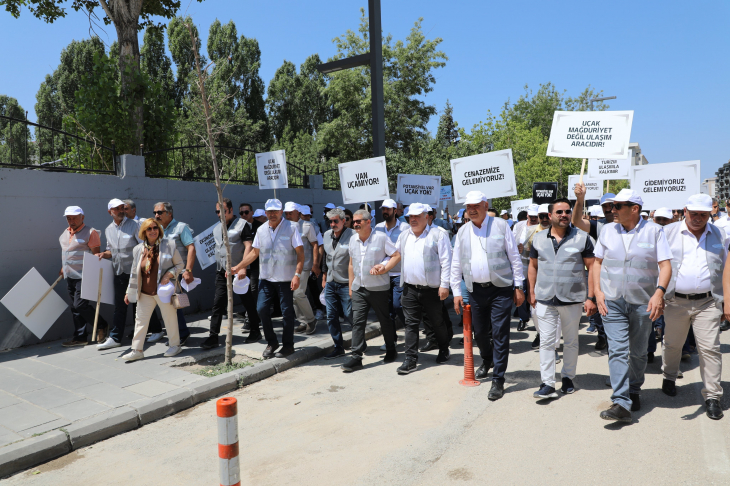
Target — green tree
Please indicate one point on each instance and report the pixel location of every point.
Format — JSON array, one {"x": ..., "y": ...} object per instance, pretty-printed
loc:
[
  {"x": 179, "y": 43},
  {"x": 14, "y": 137}
]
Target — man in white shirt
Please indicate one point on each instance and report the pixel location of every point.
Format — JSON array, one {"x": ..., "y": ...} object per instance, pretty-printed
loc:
[
  {"x": 278, "y": 246},
  {"x": 426, "y": 255},
  {"x": 695, "y": 298},
  {"x": 630, "y": 274},
  {"x": 524, "y": 231},
  {"x": 486, "y": 256}
]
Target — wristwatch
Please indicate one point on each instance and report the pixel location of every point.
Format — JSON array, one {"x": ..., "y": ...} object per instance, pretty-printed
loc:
[
  {"x": 663, "y": 289},
  {"x": 592, "y": 299},
  {"x": 187, "y": 270},
  {"x": 298, "y": 275}
]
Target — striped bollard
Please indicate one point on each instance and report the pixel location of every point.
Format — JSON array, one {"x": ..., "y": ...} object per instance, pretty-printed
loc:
[
  {"x": 469, "y": 379},
  {"x": 230, "y": 468}
]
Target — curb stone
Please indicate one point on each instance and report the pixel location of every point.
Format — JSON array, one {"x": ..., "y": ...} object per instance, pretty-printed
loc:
[
  {"x": 211, "y": 387},
  {"x": 100, "y": 427},
  {"x": 34, "y": 451},
  {"x": 169, "y": 403}
]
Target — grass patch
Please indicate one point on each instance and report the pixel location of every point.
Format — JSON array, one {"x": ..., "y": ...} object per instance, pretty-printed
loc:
[{"x": 221, "y": 368}]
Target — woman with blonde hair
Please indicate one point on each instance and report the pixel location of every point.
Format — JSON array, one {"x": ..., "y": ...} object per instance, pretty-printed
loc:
[{"x": 155, "y": 262}]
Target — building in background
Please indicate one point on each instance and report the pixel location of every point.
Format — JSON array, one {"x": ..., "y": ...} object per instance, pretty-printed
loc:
[
  {"x": 708, "y": 186},
  {"x": 637, "y": 158},
  {"x": 722, "y": 182}
]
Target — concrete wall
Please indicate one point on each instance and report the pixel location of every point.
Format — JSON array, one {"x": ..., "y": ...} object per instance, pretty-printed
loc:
[{"x": 33, "y": 202}]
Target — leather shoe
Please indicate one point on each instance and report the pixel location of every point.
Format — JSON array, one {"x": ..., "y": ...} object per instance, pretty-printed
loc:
[
  {"x": 428, "y": 346},
  {"x": 601, "y": 343},
  {"x": 285, "y": 351},
  {"x": 269, "y": 351},
  {"x": 724, "y": 326},
  {"x": 390, "y": 356},
  {"x": 483, "y": 370},
  {"x": 669, "y": 387},
  {"x": 635, "y": 402},
  {"x": 300, "y": 328},
  {"x": 714, "y": 410},
  {"x": 497, "y": 391},
  {"x": 253, "y": 337},
  {"x": 616, "y": 412},
  {"x": 443, "y": 356}
]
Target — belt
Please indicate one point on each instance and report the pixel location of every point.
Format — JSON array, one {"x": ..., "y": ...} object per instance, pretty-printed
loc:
[
  {"x": 484, "y": 284},
  {"x": 693, "y": 296},
  {"x": 419, "y": 287}
]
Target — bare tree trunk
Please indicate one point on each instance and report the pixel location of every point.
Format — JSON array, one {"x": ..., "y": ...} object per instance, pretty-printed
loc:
[{"x": 219, "y": 188}]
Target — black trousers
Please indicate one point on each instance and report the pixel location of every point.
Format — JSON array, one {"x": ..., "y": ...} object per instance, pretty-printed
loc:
[
  {"x": 423, "y": 304},
  {"x": 250, "y": 298},
  {"x": 82, "y": 311},
  {"x": 490, "y": 315},
  {"x": 220, "y": 302},
  {"x": 447, "y": 321},
  {"x": 362, "y": 300}
]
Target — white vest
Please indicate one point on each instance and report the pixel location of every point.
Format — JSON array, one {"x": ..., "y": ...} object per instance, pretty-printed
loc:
[
  {"x": 72, "y": 251},
  {"x": 277, "y": 259},
  {"x": 122, "y": 242},
  {"x": 173, "y": 231},
  {"x": 500, "y": 268},
  {"x": 380, "y": 227},
  {"x": 307, "y": 245},
  {"x": 561, "y": 275},
  {"x": 431, "y": 260},
  {"x": 374, "y": 254},
  {"x": 632, "y": 276},
  {"x": 234, "y": 239}
]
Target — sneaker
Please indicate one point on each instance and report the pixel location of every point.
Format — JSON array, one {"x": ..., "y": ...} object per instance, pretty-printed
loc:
[
  {"x": 310, "y": 328},
  {"x": 616, "y": 412},
  {"x": 353, "y": 363},
  {"x": 74, "y": 342},
  {"x": 567, "y": 387},
  {"x": 108, "y": 344},
  {"x": 680, "y": 374},
  {"x": 443, "y": 356},
  {"x": 557, "y": 357},
  {"x": 408, "y": 365},
  {"x": 335, "y": 353},
  {"x": 154, "y": 337},
  {"x": 545, "y": 392},
  {"x": 536, "y": 342},
  {"x": 173, "y": 351},
  {"x": 133, "y": 355},
  {"x": 300, "y": 328},
  {"x": 591, "y": 329},
  {"x": 210, "y": 342}
]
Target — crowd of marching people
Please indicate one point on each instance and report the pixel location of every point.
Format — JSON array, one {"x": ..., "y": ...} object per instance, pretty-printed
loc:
[{"x": 640, "y": 277}]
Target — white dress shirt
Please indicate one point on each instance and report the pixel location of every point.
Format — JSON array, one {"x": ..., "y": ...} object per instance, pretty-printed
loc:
[
  {"x": 117, "y": 233},
  {"x": 663, "y": 251},
  {"x": 296, "y": 241},
  {"x": 388, "y": 232},
  {"x": 389, "y": 250},
  {"x": 412, "y": 267},
  {"x": 693, "y": 275}
]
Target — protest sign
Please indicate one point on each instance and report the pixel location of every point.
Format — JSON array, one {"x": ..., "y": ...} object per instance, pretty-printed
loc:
[
  {"x": 594, "y": 187},
  {"x": 364, "y": 180},
  {"x": 544, "y": 192},
  {"x": 492, "y": 173},
  {"x": 25, "y": 294},
  {"x": 271, "y": 167},
  {"x": 666, "y": 185},
  {"x": 90, "y": 279},
  {"x": 590, "y": 134},
  {"x": 520, "y": 205},
  {"x": 205, "y": 247},
  {"x": 609, "y": 169},
  {"x": 413, "y": 188},
  {"x": 445, "y": 193}
]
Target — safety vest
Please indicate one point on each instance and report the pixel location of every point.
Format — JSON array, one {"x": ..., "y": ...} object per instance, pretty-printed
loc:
[
  {"x": 431, "y": 260},
  {"x": 397, "y": 230},
  {"x": 122, "y": 241},
  {"x": 308, "y": 250},
  {"x": 561, "y": 275},
  {"x": 234, "y": 239},
  {"x": 714, "y": 242},
  {"x": 72, "y": 251},
  {"x": 527, "y": 246},
  {"x": 599, "y": 225},
  {"x": 500, "y": 268},
  {"x": 338, "y": 258},
  {"x": 277, "y": 258},
  {"x": 632, "y": 275},
  {"x": 374, "y": 254},
  {"x": 173, "y": 232}
]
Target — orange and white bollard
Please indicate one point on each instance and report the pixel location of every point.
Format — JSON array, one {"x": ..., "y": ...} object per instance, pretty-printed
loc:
[
  {"x": 230, "y": 468},
  {"x": 469, "y": 379}
]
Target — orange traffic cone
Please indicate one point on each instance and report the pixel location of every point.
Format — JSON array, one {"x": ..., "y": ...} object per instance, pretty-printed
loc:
[{"x": 468, "y": 351}]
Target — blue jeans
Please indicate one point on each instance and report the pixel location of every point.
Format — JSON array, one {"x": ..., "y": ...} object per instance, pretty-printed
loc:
[
  {"x": 336, "y": 296},
  {"x": 464, "y": 292},
  {"x": 269, "y": 292},
  {"x": 628, "y": 327},
  {"x": 394, "y": 305}
]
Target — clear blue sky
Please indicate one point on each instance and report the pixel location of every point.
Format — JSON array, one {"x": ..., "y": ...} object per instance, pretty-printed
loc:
[{"x": 666, "y": 60}]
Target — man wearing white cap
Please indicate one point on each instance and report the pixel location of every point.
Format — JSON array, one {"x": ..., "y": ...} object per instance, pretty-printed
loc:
[
  {"x": 486, "y": 256},
  {"x": 77, "y": 240},
  {"x": 631, "y": 273},
  {"x": 695, "y": 298},
  {"x": 260, "y": 216},
  {"x": 426, "y": 255},
  {"x": 392, "y": 229},
  {"x": 324, "y": 226},
  {"x": 278, "y": 246},
  {"x": 310, "y": 246}
]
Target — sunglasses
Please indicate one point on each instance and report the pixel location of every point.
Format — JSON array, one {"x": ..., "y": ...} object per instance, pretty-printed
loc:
[
  {"x": 347, "y": 219},
  {"x": 358, "y": 221},
  {"x": 217, "y": 211},
  {"x": 610, "y": 205},
  {"x": 563, "y": 211},
  {"x": 152, "y": 228},
  {"x": 244, "y": 212},
  {"x": 544, "y": 216},
  {"x": 158, "y": 212},
  {"x": 334, "y": 221},
  {"x": 618, "y": 206}
]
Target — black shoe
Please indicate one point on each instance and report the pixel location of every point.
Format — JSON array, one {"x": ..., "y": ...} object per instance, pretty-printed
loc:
[
  {"x": 650, "y": 358},
  {"x": 635, "y": 402},
  {"x": 286, "y": 350},
  {"x": 669, "y": 387},
  {"x": 724, "y": 326},
  {"x": 335, "y": 353},
  {"x": 536, "y": 342},
  {"x": 183, "y": 340},
  {"x": 253, "y": 337},
  {"x": 246, "y": 325},
  {"x": 443, "y": 356},
  {"x": 269, "y": 351},
  {"x": 408, "y": 365},
  {"x": 714, "y": 410},
  {"x": 497, "y": 391},
  {"x": 616, "y": 412},
  {"x": 686, "y": 356},
  {"x": 428, "y": 346},
  {"x": 390, "y": 356},
  {"x": 483, "y": 370},
  {"x": 522, "y": 325},
  {"x": 601, "y": 343},
  {"x": 210, "y": 342},
  {"x": 352, "y": 363},
  {"x": 567, "y": 387}
]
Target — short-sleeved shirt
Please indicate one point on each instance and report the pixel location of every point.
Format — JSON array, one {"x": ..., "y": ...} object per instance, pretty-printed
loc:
[
  {"x": 186, "y": 236},
  {"x": 94, "y": 240},
  {"x": 248, "y": 234}
]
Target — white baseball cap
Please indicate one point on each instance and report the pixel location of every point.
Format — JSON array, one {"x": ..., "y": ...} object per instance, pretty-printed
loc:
[
  {"x": 164, "y": 292},
  {"x": 543, "y": 208},
  {"x": 474, "y": 197},
  {"x": 504, "y": 211},
  {"x": 663, "y": 213},
  {"x": 699, "y": 202},
  {"x": 73, "y": 211},
  {"x": 626, "y": 195},
  {"x": 304, "y": 209},
  {"x": 258, "y": 213},
  {"x": 291, "y": 206},
  {"x": 532, "y": 210},
  {"x": 594, "y": 210},
  {"x": 389, "y": 203},
  {"x": 600, "y": 213},
  {"x": 329, "y": 206},
  {"x": 644, "y": 213},
  {"x": 428, "y": 208},
  {"x": 241, "y": 286},
  {"x": 273, "y": 205},
  {"x": 608, "y": 197},
  {"x": 115, "y": 203},
  {"x": 417, "y": 208}
]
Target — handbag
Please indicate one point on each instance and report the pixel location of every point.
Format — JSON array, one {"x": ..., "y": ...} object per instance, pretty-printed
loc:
[{"x": 179, "y": 300}]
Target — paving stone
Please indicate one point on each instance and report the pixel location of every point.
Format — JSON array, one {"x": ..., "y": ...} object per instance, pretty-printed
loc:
[
  {"x": 17, "y": 383},
  {"x": 23, "y": 416},
  {"x": 102, "y": 426},
  {"x": 109, "y": 395},
  {"x": 80, "y": 410},
  {"x": 186, "y": 380},
  {"x": 29, "y": 366},
  {"x": 151, "y": 388},
  {"x": 113, "y": 376},
  {"x": 30, "y": 452},
  {"x": 50, "y": 397},
  {"x": 43, "y": 428},
  {"x": 6, "y": 399},
  {"x": 66, "y": 379},
  {"x": 8, "y": 436},
  {"x": 163, "y": 405}
]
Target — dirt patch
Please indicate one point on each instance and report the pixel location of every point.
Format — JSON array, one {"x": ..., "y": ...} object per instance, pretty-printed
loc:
[
  {"x": 57, "y": 464},
  {"x": 335, "y": 388},
  {"x": 461, "y": 474},
  {"x": 213, "y": 365}
]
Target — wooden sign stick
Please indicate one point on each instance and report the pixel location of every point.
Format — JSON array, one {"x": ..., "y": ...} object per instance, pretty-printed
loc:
[
  {"x": 582, "y": 169},
  {"x": 98, "y": 304},
  {"x": 44, "y": 296}
]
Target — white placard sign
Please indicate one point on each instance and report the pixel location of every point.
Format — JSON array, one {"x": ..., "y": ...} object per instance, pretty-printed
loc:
[
  {"x": 90, "y": 279},
  {"x": 413, "y": 188},
  {"x": 594, "y": 187},
  {"x": 666, "y": 185},
  {"x": 205, "y": 247},
  {"x": 24, "y": 295},
  {"x": 590, "y": 134},
  {"x": 609, "y": 169},
  {"x": 520, "y": 205},
  {"x": 445, "y": 193},
  {"x": 271, "y": 167},
  {"x": 364, "y": 180},
  {"x": 492, "y": 173}
]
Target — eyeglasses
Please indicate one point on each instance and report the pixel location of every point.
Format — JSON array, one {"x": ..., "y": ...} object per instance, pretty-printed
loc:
[
  {"x": 334, "y": 221},
  {"x": 563, "y": 211},
  {"x": 610, "y": 206},
  {"x": 244, "y": 212},
  {"x": 543, "y": 216},
  {"x": 158, "y": 212},
  {"x": 358, "y": 221},
  {"x": 618, "y": 206}
]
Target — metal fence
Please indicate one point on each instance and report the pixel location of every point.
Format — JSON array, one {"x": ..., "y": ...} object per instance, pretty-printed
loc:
[{"x": 49, "y": 148}]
